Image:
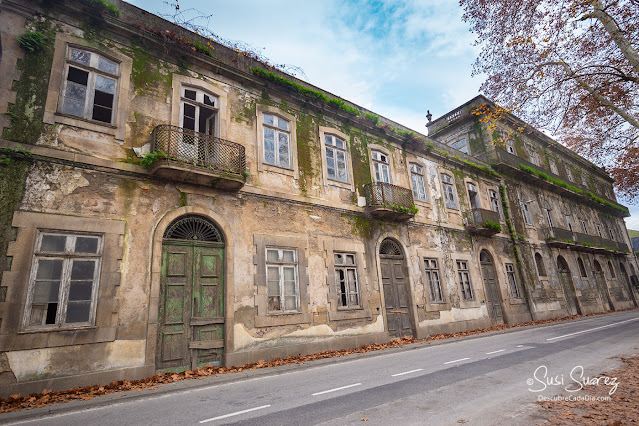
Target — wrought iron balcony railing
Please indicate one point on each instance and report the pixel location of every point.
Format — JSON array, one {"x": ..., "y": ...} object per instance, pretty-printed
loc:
[
  {"x": 390, "y": 198},
  {"x": 199, "y": 149}
]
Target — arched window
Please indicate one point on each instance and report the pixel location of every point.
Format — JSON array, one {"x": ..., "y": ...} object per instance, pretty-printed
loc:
[
  {"x": 193, "y": 228},
  {"x": 449, "y": 192},
  {"x": 582, "y": 268},
  {"x": 541, "y": 269},
  {"x": 548, "y": 212},
  {"x": 612, "y": 270}
]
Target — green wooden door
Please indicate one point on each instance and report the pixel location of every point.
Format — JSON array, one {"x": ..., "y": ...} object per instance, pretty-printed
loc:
[{"x": 191, "y": 306}]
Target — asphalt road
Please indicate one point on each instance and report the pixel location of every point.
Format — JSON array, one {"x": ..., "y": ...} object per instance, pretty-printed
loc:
[{"x": 493, "y": 379}]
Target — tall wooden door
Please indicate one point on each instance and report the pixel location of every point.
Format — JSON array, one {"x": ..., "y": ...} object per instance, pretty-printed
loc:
[
  {"x": 566, "y": 281},
  {"x": 493, "y": 296},
  {"x": 396, "y": 296},
  {"x": 602, "y": 284},
  {"x": 191, "y": 306}
]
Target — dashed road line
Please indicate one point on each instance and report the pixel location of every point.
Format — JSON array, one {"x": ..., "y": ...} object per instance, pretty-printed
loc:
[
  {"x": 237, "y": 413},
  {"x": 336, "y": 389},
  {"x": 591, "y": 329},
  {"x": 456, "y": 360},
  {"x": 406, "y": 372},
  {"x": 494, "y": 352}
]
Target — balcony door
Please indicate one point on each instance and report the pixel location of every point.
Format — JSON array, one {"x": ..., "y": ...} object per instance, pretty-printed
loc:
[
  {"x": 198, "y": 114},
  {"x": 565, "y": 276},
  {"x": 396, "y": 289}
]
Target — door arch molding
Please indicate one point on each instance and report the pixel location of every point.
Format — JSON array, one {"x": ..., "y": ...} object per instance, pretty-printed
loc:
[{"x": 227, "y": 233}]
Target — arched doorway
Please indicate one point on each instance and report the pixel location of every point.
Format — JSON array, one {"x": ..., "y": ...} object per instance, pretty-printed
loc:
[
  {"x": 600, "y": 278},
  {"x": 191, "y": 302},
  {"x": 569, "y": 288},
  {"x": 396, "y": 289},
  {"x": 626, "y": 280},
  {"x": 491, "y": 285}
]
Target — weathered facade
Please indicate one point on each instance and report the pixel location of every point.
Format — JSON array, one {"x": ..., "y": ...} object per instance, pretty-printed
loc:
[{"x": 168, "y": 203}]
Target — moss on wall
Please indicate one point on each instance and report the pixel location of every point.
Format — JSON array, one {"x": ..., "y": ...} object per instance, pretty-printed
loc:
[
  {"x": 307, "y": 148},
  {"x": 31, "y": 90},
  {"x": 476, "y": 138},
  {"x": 358, "y": 144},
  {"x": 12, "y": 181},
  {"x": 148, "y": 74}
]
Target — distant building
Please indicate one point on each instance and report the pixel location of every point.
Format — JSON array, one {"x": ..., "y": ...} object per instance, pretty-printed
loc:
[{"x": 269, "y": 218}]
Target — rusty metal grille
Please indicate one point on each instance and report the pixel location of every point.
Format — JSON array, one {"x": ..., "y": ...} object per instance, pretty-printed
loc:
[
  {"x": 390, "y": 247},
  {"x": 193, "y": 228},
  {"x": 199, "y": 149},
  {"x": 386, "y": 194},
  {"x": 480, "y": 216}
]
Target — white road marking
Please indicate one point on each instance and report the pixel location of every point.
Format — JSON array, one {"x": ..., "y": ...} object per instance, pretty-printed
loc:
[
  {"x": 519, "y": 346},
  {"x": 237, "y": 413},
  {"x": 494, "y": 352},
  {"x": 592, "y": 329},
  {"x": 457, "y": 360},
  {"x": 336, "y": 389},
  {"x": 406, "y": 372}
]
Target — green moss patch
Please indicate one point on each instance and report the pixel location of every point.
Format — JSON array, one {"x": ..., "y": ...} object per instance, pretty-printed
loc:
[{"x": 13, "y": 174}]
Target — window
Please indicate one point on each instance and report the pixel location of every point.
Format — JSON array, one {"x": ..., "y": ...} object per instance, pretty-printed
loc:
[
  {"x": 464, "y": 280},
  {"x": 381, "y": 167},
  {"x": 569, "y": 174},
  {"x": 584, "y": 181},
  {"x": 512, "y": 280},
  {"x": 532, "y": 154},
  {"x": 611, "y": 233},
  {"x": 461, "y": 145},
  {"x": 64, "y": 281},
  {"x": 541, "y": 268},
  {"x": 494, "y": 201},
  {"x": 582, "y": 268},
  {"x": 584, "y": 226},
  {"x": 282, "y": 287},
  {"x": 612, "y": 270},
  {"x": 277, "y": 141},
  {"x": 336, "y": 164},
  {"x": 553, "y": 167},
  {"x": 548, "y": 213},
  {"x": 509, "y": 147},
  {"x": 569, "y": 223},
  {"x": 198, "y": 111},
  {"x": 431, "y": 276},
  {"x": 346, "y": 280},
  {"x": 417, "y": 179},
  {"x": 472, "y": 195},
  {"x": 599, "y": 231},
  {"x": 90, "y": 86},
  {"x": 526, "y": 212},
  {"x": 449, "y": 193}
]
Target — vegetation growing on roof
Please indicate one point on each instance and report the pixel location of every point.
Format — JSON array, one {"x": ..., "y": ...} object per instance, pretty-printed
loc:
[
  {"x": 104, "y": 6},
  {"x": 32, "y": 40}
]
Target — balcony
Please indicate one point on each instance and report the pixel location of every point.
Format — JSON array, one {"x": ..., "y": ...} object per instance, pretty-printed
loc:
[
  {"x": 197, "y": 158},
  {"x": 483, "y": 222},
  {"x": 386, "y": 201},
  {"x": 557, "y": 237},
  {"x": 562, "y": 238}
]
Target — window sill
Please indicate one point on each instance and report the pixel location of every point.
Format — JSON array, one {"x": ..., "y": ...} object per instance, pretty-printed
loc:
[
  {"x": 339, "y": 184},
  {"x": 276, "y": 319},
  {"x": 277, "y": 169},
  {"x": 54, "y": 329},
  {"x": 84, "y": 123},
  {"x": 349, "y": 313}
]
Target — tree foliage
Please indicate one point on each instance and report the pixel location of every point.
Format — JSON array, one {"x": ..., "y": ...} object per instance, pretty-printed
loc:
[{"x": 570, "y": 67}]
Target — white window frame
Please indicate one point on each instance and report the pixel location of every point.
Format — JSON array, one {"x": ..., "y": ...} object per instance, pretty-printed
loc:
[
  {"x": 569, "y": 174},
  {"x": 512, "y": 281},
  {"x": 509, "y": 147},
  {"x": 93, "y": 72},
  {"x": 569, "y": 223},
  {"x": 418, "y": 182},
  {"x": 432, "y": 277},
  {"x": 280, "y": 265},
  {"x": 197, "y": 103},
  {"x": 526, "y": 213},
  {"x": 465, "y": 283},
  {"x": 584, "y": 226},
  {"x": 68, "y": 257},
  {"x": 495, "y": 202},
  {"x": 331, "y": 145},
  {"x": 343, "y": 266},
  {"x": 448, "y": 189},
  {"x": 277, "y": 133},
  {"x": 553, "y": 167},
  {"x": 381, "y": 166}
]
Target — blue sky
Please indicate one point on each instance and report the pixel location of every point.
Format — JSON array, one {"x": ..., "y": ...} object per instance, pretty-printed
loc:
[{"x": 398, "y": 59}]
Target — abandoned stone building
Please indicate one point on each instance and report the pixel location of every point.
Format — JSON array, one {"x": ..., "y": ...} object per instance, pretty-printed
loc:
[{"x": 167, "y": 202}]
